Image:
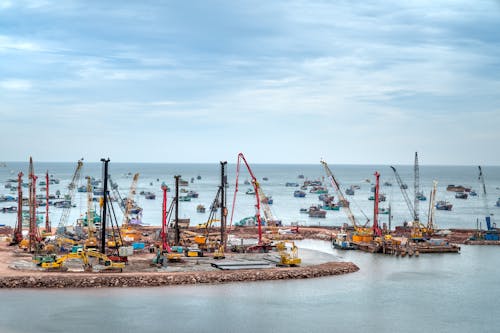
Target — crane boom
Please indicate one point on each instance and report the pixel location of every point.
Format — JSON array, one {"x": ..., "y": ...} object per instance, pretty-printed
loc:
[
  {"x": 405, "y": 195},
  {"x": 130, "y": 200},
  {"x": 255, "y": 185},
  {"x": 416, "y": 188},
  {"x": 342, "y": 199},
  {"x": 432, "y": 207},
  {"x": 485, "y": 198},
  {"x": 71, "y": 192}
]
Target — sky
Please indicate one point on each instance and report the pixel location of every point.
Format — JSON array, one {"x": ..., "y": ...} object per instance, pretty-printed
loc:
[{"x": 290, "y": 81}]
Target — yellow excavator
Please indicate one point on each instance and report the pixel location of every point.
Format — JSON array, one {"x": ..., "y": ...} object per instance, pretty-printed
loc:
[{"x": 288, "y": 257}]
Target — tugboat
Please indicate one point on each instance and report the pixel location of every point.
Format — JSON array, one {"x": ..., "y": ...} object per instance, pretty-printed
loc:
[
  {"x": 341, "y": 242},
  {"x": 443, "y": 205}
]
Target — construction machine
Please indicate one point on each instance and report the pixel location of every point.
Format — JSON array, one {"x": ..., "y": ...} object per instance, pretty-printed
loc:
[
  {"x": 288, "y": 257},
  {"x": 261, "y": 245},
  {"x": 361, "y": 233},
  {"x": 69, "y": 196}
]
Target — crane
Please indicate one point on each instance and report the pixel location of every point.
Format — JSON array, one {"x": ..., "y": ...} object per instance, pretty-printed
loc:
[
  {"x": 342, "y": 199},
  {"x": 255, "y": 185},
  {"x": 376, "y": 229},
  {"x": 48, "y": 228},
  {"x": 430, "y": 222},
  {"x": 269, "y": 217},
  {"x": 91, "y": 241},
  {"x": 34, "y": 236},
  {"x": 485, "y": 200},
  {"x": 405, "y": 195},
  {"x": 71, "y": 191},
  {"x": 130, "y": 201},
  {"x": 18, "y": 231},
  {"x": 416, "y": 188},
  {"x": 117, "y": 195}
]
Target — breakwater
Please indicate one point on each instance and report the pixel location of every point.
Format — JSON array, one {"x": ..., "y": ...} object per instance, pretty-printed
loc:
[{"x": 84, "y": 280}]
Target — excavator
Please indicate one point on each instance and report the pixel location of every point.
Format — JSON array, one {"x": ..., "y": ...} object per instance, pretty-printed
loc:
[{"x": 288, "y": 257}]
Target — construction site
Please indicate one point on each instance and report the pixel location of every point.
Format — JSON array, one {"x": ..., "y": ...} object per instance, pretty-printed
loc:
[{"x": 215, "y": 251}]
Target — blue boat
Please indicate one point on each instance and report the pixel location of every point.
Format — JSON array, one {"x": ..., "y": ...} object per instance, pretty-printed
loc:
[{"x": 299, "y": 194}]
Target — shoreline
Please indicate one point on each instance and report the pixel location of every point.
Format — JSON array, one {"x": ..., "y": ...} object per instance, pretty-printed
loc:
[{"x": 124, "y": 280}]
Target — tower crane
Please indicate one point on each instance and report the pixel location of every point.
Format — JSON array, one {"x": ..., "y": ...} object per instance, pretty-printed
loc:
[
  {"x": 256, "y": 186},
  {"x": 71, "y": 192}
]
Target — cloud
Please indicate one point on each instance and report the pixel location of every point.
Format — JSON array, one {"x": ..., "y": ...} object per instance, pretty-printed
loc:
[{"x": 15, "y": 84}]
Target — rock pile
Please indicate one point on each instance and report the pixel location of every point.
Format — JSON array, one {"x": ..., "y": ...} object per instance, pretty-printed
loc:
[{"x": 99, "y": 280}]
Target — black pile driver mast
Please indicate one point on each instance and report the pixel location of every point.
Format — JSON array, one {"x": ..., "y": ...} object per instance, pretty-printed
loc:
[
  {"x": 255, "y": 185},
  {"x": 48, "y": 228},
  {"x": 176, "y": 222},
  {"x": 223, "y": 204}
]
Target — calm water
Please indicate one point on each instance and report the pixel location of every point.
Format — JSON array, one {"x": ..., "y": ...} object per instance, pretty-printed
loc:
[{"x": 441, "y": 293}]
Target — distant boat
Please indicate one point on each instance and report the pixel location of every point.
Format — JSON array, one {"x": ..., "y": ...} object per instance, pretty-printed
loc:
[
  {"x": 498, "y": 202},
  {"x": 457, "y": 188},
  {"x": 421, "y": 196},
  {"x": 387, "y": 184},
  {"x": 349, "y": 191},
  {"x": 318, "y": 190},
  {"x": 473, "y": 193},
  {"x": 250, "y": 191},
  {"x": 304, "y": 210},
  {"x": 461, "y": 195},
  {"x": 200, "y": 208},
  {"x": 246, "y": 182},
  {"x": 381, "y": 197},
  {"x": 267, "y": 200},
  {"x": 341, "y": 242},
  {"x": 299, "y": 194},
  {"x": 150, "y": 196},
  {"x": 443, "y": 205},
  {"x": 292, "y": 185},
  {"x": 198, "y": 177},
  {"x": 193, "y": 194},
  {"x": 301, "y": 177},
  {"x": 315, "y": 211},
  {"x": 184, "y": 198},
  {"x": 265, "y": 178}
]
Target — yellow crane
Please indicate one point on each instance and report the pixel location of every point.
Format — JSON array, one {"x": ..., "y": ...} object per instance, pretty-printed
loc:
[
  {"x": 130, "y": 201},
  {"x": 91, "y": 242}
]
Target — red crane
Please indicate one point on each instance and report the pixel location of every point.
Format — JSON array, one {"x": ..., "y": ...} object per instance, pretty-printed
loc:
[
  {"x": 376, "y": 229},
  {"x": 255, "y": 185},
  {"x": 18, "y": 231}
]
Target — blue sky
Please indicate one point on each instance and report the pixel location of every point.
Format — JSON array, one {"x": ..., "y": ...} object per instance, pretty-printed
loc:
[{"x": 281, "y": 81}]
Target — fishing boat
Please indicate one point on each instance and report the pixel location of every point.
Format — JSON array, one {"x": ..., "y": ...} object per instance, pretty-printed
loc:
[
  {"x": 250, "y": 191},
  {"x": 193, "y": 194},
  {"x": 341, "y": 242},
  {"x": 457, "y": 188},
  {"x": 381, "y": 197},
  {"x": 9, "y": 209},
  {"x": 387, "y": 184},
  {"x": 318, "y": 190},
  {"x": 184, "y": 198},
  {"x": 316, "y": 211},
  {"x": 267, "y": 200},
  {"x": 299, "y": 194},
  {"x": 498, "y": 202},
  {"x": 421, "y": 196},
  {"x": 200, "y": 209},
  {"x": 292, "y": 185},
  {"x": 304, "y": 210},
  {"x": 473, "y": 193},
  {"x": 300, "y": 176},
  {"x": 349, "y": 191},
  {"x": 461, "y": 195},
  {"x": 443, "y": 205},
  {"x": 330, "y": 206}
]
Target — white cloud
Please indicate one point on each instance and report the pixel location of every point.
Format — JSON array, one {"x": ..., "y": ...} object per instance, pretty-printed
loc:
[
  {"x": 15, "y": 84},
  {"x": 8, "y": 43}
]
